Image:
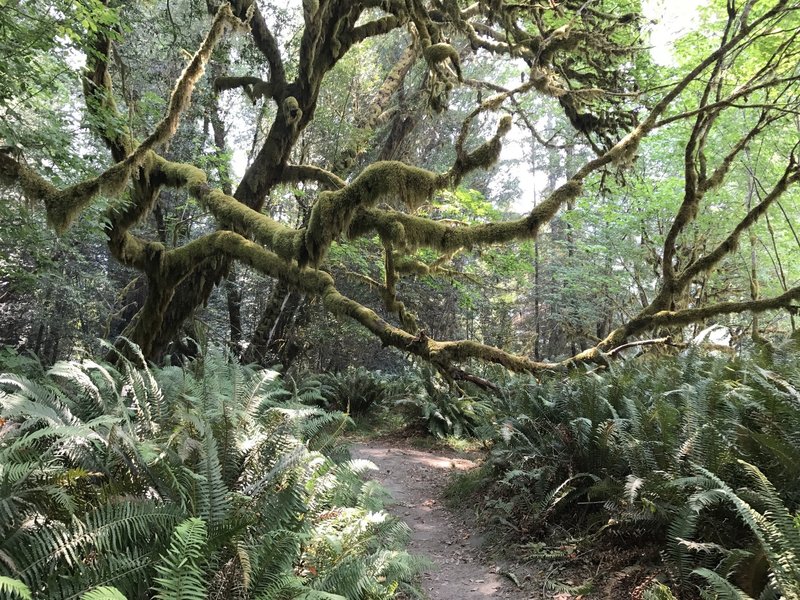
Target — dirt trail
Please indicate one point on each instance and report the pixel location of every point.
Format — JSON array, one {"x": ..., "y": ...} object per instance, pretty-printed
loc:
[{"x": 415, "y": 479}]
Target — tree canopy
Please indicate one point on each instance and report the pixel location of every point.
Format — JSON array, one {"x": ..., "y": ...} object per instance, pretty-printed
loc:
[{"x": 656, "y": 174}]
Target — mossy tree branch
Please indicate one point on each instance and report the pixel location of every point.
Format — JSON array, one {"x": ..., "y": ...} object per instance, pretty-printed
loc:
[
  {"x": 687, "y": 316},
  {"x": 254, "y": 87},
  {"x": 303, "y": 173},
  {"x": 349, "y": 209},
  {"x": 705, "y": 263},
  {"x": 263, "y": 40}
]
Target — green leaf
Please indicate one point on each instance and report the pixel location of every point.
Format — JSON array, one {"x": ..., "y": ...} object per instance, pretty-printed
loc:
[
  {"x": 14, "y": 587},
  {"x": 180, "y": 576},
  {"x": 103, "y": 592}
]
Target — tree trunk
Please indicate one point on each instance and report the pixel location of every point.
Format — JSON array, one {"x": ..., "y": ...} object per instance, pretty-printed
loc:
[{"x": 269, "y": 338}]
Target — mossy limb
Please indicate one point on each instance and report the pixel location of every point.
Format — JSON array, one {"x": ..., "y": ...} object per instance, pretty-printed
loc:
[
  {"x": 291, "y": 110},
  {"x": 483, "y": 157},
  {"x": 438, "y": 53},
  {"x": 285, "y": 241},
  {"x": 61, "y": 205},
  {"x": 333, "y": 212},
  {"x": 178, "y": 175}
]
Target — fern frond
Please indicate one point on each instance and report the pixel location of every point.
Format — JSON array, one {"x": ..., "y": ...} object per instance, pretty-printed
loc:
[
  {"x": 108, "y": 530},
  {"x": 36, "y": 402},
  {"x": 14, "y": 588},
  {"x": 103, "y": 593},
  {"x": 179, "y": 573},
  {"x": 723, "y": 588},
  {"x": 317, "y": 595},
  {"x": 212, "y": 495}
]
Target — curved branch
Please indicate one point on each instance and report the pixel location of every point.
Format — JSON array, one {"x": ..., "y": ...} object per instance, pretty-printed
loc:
[
  {"x": 333, "y": 212},
  {"x": 254, "y": 87},
  {"x": 688, "y": 316},
  {"x": 370, "y": 29},
  {"x": 418, "y": 232},
  {"x": 264, "y": 41},
  {"x": 706, "y": 263},
  {"x": 300, "y": 173},
  {"x": 64, "y": 205},
  {"x": 667, "y": 341}
]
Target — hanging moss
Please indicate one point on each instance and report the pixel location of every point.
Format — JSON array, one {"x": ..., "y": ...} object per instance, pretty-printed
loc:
[
  {"x": 408, "y": 321},
  {"x": 129, "y": 250},
  {"x": 291, "y": 110},
  {"x": 438, "y": 53},
  {"x": 181, "y": 95},
  {"x": 483, "y": 157},
  {"x": 64, "y": 207},
  {"x": 547, "y": 82},
  {"x": 334, "y": 211},
  {"x": 547, "y": 209},
  {"x": 409, "y": 266},
  {"x": 61, "y": 205}
]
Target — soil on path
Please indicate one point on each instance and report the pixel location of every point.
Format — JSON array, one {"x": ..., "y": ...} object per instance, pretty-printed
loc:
[{"x": 415, "y": 479}]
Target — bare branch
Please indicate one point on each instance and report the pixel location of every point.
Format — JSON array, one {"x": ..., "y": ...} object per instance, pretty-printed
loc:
[{"x": 264, "y": 41}]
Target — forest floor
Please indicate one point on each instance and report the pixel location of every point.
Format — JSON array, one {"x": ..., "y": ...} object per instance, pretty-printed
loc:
[
  {"x": 463, "y": 565},
  {"x": 416, "y": 478}
]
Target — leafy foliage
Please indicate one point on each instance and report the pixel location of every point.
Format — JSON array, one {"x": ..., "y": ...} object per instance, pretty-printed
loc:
[
  {"x": 356, "y": 390},
  {"x": 440, "y": 410},
  {"x": 193, "y": 482},
  {"x": 14, "y": 588},
  {"x": 644, "y": 453},
  {"x": 179, "y": 574}
]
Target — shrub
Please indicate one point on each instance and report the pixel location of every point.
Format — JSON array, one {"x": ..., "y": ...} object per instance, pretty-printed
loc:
[
  {"x": 619, "y": 454},
  {"x": 184, "y": 482}
]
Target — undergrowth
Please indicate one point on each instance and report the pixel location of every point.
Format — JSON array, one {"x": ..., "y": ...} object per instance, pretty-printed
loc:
[
  {"x": 675, "y": 454},
  {"x": 207, "y": 481},
  {"x": 678, "y": 452}
]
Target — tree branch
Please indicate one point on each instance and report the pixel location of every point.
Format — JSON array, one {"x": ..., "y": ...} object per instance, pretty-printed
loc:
[{"x": 264, "y": 41}]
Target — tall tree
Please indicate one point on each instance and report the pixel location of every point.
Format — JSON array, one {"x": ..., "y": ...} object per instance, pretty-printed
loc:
[{"x": 590, "y": 58}]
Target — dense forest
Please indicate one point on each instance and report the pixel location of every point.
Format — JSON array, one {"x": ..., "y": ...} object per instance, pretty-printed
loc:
[{"x": 560, "y": 233}]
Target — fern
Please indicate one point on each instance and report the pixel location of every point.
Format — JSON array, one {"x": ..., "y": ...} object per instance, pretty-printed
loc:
[
  {"x": 108, "y": 531},
  {"x": 637, "y": 431},
  {"x": 103, "y": 593},
  {"x": 180, "y": 576},
  {"x": 14, "y": 588},
  {"x": 774, "y": 528},
  {"x": 212, "y": 496},
  {"x": 723, "y": 588},
  {"x": 214, "y": 490}
]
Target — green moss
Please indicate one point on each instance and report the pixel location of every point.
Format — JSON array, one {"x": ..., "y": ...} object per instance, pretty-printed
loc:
[
  {"x": 483, "y": 157},
  {"x": 333, "y": 212},
  {"x": 437, "y": 53},
  {"x": 177, "y": 174},
  {"x": 130, "y": 250},
  {"x": 285, "y": 241},
  {"x": 409, "y": 266},
  {"x": 291, "y": 110},
  {"x": 62, "y": 206},
  {"x": 396, "y": 234},
  {"x": 547, "y": 209}
]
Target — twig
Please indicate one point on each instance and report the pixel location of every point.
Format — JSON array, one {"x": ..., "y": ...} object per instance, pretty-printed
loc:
[{"x": 664, "y": 340}]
